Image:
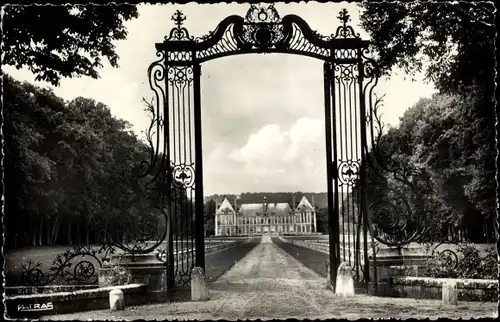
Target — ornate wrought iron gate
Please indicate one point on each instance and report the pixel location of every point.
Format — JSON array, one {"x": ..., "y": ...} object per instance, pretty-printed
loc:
[{"x": 348, "y": 78}]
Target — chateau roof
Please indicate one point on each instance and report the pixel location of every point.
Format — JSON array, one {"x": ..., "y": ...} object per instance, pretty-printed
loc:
[
  {"x": 304, "y": 204},
  {"x": 255, "y": 209},
  {"x": 251, "y": 209},
  {"x": 225, "y": 205}
]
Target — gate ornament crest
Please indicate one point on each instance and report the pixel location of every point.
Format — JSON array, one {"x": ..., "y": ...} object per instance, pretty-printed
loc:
[{"x": 261, "y": 30}]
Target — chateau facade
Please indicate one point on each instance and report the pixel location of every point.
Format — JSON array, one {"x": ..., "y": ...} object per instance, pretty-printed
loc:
[{"x": 265, "y": 218}]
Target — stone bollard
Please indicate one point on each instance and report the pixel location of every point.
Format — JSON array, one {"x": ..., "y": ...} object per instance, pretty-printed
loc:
[
  {"x": 199, "y": 290},
  {"x": 449, "y": 292},
  {"x": 345, "y": 282},
  {"x": 116, "y": 300}
]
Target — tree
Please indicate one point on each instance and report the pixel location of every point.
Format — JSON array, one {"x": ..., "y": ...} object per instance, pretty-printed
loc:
[
  {"x": 450, "y": 137},
  {"x": 209, "y": 217},
  {"x": 66, "y": 166},
  {"x": 457, "y": 38},
  {"x": 63, "y": 41},
  {"x": 434, "y": 149}
]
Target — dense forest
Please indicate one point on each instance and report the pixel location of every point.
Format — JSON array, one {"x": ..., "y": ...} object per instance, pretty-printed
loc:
[
  {"x": 69, "y": 170},
  {"x": 444, "y": 145},
  {"x": 447, "y": 159}
]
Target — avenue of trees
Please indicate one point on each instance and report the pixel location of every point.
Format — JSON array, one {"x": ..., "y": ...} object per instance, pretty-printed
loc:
[
  {"x": 448, "y": 140},
  {"x": 63, "y": 160},
  {"x": 70, "y": 169}
]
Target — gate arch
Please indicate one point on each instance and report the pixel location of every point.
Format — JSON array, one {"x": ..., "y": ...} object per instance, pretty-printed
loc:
[{"x": 349, "y": 79}]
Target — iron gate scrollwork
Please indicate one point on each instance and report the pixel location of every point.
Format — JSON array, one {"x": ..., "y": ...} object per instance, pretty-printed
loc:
[{"x": 350, "y": 122}]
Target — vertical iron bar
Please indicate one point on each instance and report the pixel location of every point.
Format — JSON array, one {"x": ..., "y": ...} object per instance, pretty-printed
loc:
[
  {"x": 335, "y": 166},
  {"x": 327, "y": 74},
  {"x": 362, "y": 115},
  {"x": 345, "y": 198},
  {"x": 189, "y": 200},
  {"x": 166, "y": 152},
  {"x": 340, "y": 200},
  {"x": 350, "y": 200},
  {"x": 200, "y": 238},
  {"x": 358, "y": 200}
]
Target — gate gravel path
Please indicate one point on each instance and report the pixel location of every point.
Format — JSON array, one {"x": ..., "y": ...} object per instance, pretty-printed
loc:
[{"x": 268, "y": 283}]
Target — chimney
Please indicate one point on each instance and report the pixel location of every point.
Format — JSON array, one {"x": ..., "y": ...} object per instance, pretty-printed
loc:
[
  {"x": 293, "y": 202},
  {"x": 312, "y": 201},
  {"x": 235, "y": 204}
]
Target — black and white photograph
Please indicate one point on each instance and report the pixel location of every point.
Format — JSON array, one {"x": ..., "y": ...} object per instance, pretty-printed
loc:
[{"x": 249, "y": 161}]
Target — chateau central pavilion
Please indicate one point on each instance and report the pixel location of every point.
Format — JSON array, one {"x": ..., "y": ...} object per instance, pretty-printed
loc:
[{"x": 261, "y": 218}]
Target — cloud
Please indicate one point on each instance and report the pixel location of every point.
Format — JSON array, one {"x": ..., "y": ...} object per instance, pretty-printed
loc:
[
  {"x": 305, "y": 135},
  {"x": 272, "y": 159},
  {"x": 267, "y": 143}
]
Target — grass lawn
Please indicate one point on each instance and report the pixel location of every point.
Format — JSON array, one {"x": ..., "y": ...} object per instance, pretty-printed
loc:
[
  {"x": 221, "y": 261},
  {"x": 311, "y": 258}
]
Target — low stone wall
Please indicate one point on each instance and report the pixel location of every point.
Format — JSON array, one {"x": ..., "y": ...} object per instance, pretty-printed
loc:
[
  {"x": 469, "y": 290},
  {"x": 397, "y": 272},
  {"x": 35, "y": 305},
  {"x": 29, "y": 290}
]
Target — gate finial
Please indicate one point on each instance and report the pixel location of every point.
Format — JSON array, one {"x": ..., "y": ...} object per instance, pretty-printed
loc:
[
  {"x": 179, "y": 18},
  {"x": 179, "y": 32},
  {"x": 344, "y": 16},
  {"x": 345, "y": 31}
]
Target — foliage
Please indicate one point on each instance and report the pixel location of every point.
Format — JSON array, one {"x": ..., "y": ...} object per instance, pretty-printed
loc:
[
  {"x": 70, "y": 170},
  {"x": 470, "y": 264},
  {"x": 209, "y": 217},
  {"x": 442, "y": 166},
  {"x": 456, "y": 38},
  {"x": 118, "y": 275},
  {"x": 63, "y": 41},
  {"x": 447, "y": 140}
]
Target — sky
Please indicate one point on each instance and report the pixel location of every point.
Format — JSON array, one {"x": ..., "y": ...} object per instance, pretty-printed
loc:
[{"x": 262, "y": 115}]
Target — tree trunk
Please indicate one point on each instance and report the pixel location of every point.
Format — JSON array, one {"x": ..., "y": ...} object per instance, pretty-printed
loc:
[
  {"x": 70, "y": 240},
  {"x": 40, "y": 234},
  {"x": 33, "y": 235},
  {"x": 55, "y": 229},
  {"x": 27, "y": 235},
  {"x": 87, "y": 233},
  {"x": 78, "y": 233},
  {"x": 48, "y": 240}
]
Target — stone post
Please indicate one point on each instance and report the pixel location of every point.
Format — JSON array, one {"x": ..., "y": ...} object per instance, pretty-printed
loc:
[
  {"x": 449, "y": 292},
  {"x": 328, "y": 278},
  {"x": 116, "y": 300},
  {"x": 199, "y": 290},
  {"x": 344, "y": 285}
]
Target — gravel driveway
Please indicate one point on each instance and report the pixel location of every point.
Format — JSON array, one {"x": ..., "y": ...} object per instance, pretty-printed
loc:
[{"x": 268, "y": 283}]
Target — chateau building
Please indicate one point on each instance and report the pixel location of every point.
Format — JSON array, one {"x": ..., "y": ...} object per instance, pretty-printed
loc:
[{"x": 265, "y": 218}]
